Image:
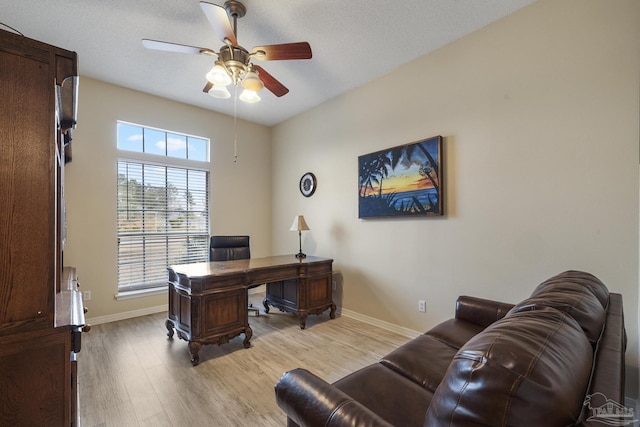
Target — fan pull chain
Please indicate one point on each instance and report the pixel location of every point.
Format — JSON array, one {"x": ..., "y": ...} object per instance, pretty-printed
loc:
[{"x": 235, "y": 124}]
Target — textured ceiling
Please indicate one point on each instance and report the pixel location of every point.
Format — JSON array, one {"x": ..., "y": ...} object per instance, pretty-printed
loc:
[{"x": 353, "y": 42}]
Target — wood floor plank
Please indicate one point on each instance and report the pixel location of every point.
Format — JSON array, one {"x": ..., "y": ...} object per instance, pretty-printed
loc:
[
  {"x": 146, "y": 403},
  {"x": 131, "y": 374}
]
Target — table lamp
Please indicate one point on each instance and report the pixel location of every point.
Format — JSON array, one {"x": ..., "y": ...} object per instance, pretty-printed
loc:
[{"x": 298, "y": 225}]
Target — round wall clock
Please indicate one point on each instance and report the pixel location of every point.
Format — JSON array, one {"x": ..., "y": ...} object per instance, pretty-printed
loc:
[{"x": 308, "y": 184}]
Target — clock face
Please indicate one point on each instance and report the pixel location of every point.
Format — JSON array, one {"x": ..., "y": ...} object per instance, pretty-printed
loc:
[{"x": 308, "y": 184}]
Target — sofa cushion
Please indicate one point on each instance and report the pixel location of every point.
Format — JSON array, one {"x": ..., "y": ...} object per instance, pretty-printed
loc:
[
  {"x": 423, "y": 360},
  {"x": 580, "y": 278},
  {"x": 579, "y": 294},
  {"x": 576, "y": 301},
  {"x": 529, "y": 368},
  {"x": 395, "y": 398},
  {"x": 454, "y": 332}
]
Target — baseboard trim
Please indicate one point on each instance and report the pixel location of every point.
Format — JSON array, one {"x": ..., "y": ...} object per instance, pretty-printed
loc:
[
  {"x": 126, "y": 315},
  {"x": 409, "y": 333}
]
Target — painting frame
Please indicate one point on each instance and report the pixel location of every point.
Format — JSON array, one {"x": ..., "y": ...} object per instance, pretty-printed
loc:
[{"x": 402, "y": 181}]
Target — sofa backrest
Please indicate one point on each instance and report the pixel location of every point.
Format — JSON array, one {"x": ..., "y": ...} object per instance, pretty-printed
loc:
[
  {"x": 579, "y": 294},
  {"x": 529, "y": 368},
  {"x": 581, "y": 278}
]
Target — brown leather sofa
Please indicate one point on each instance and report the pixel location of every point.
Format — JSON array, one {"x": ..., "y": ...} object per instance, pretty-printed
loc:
[{"x": 543, "y": 362}]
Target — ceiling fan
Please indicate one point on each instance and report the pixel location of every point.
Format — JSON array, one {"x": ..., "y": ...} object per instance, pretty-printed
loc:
[{"x": 233, "y": 64}]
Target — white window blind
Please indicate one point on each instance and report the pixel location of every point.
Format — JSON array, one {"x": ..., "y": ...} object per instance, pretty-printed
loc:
[{"x": 163, "y": 219}]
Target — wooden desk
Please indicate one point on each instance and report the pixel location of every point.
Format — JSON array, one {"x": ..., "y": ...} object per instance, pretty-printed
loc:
[{"x": 208, "y": 301}]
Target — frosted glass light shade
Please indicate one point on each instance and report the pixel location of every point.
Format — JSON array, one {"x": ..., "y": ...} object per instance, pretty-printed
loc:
[
  {"x": 252, "y": 82},
  {"x": 218, "y": 75},
  {"x": 249, "y": 96},
  {"x": 219, "y": 92}
]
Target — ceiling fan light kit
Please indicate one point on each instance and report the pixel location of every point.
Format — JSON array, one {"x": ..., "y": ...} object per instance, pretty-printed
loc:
[
  {"x": 220, "y": 92},
  {"x": 218, "y": 75},
  {"x": 233, "y": 65},
  {"x": 252, "y": 82},
  {"x": 249, "y": 96}
]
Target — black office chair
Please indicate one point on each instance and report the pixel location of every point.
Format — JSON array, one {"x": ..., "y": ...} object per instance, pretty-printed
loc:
[{"x": 229, "y": 248}]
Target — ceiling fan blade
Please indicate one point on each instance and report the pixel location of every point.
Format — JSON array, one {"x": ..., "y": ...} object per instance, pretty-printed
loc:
[
  {"x": 270, "y": 82},
  {"x": 174, "y": 47},
  {"x": 217, "y": 16},
  {"x": 275, "y": 52},
  {"x": 207, "y": 87}
]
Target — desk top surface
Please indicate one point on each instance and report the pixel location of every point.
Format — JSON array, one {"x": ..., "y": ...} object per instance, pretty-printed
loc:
[{"x": 220, "y": 268}]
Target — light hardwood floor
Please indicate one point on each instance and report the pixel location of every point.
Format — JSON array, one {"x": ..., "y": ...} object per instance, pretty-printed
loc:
[{"x": 130, "y": 374}]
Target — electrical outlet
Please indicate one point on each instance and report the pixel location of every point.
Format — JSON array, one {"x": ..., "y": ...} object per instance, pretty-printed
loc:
[
  {"x": 422, "y": 306},
  {"x": 86, "y": 295},
  {"x": 333, "y": 285}
]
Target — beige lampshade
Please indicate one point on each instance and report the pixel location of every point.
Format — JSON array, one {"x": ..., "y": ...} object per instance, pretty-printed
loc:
[{"x": 299, "y": 224}]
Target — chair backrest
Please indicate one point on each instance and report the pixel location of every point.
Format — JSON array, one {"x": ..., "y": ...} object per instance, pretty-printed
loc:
[{"x": 227, "y": 248}]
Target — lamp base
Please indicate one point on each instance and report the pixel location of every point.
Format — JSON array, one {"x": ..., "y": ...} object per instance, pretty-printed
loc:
[{"x": 301, "y": 255}]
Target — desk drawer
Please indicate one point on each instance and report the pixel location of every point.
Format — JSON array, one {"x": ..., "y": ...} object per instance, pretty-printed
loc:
[{"x": 273, "y": 274}]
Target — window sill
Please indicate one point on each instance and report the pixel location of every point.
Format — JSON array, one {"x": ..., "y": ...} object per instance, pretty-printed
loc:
[{"x": 162, "y": 290}]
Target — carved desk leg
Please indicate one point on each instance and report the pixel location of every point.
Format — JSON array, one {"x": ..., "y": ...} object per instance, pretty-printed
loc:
[
  {"x": 332, "y": 313},
  {"x": 194, "y": 349},
  {"x": 169, "y": 325},
  {"x": 303, "y": 319},
  {"x": 248, "y": 333}
]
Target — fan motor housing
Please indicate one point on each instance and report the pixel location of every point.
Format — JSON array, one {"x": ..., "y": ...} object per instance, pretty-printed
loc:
[
  {"x": 235, "y": 59},
  {"x": 234, "y": 53}
]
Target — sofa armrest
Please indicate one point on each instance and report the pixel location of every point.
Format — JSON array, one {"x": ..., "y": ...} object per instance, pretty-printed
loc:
[
  {"x": 482, "y": 312},
  {"x": 310, "y": 401}
]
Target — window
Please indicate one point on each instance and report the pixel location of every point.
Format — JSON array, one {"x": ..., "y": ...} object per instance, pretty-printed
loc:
[
  {"x": 148, "y": 140},
  {"x": 163, "y": 206}
]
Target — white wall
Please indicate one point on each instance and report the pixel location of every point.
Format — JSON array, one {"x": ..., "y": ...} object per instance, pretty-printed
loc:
[
  {"x": 539, "y": 112},
  {"x": 240, "y": 195}
]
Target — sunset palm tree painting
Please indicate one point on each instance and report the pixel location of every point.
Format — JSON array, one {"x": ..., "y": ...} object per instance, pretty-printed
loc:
[{"x": 401, "y": 181}]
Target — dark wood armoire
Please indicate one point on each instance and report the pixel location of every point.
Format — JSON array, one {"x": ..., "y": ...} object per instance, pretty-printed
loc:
[{"x": 41, "y": 313}]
